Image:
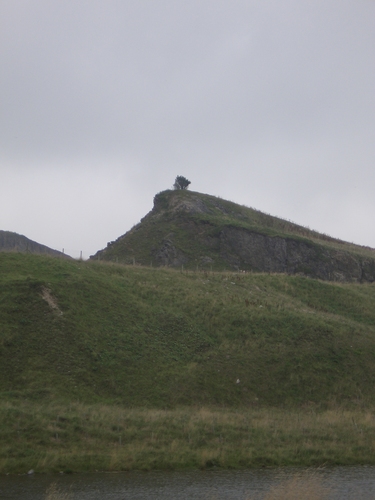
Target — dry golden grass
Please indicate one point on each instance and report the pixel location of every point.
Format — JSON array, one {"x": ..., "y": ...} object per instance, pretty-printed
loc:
[{"x": 78, "y": 437}]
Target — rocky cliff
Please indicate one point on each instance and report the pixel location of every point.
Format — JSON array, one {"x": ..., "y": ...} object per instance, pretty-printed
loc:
[{"x": 197, "y": 231}]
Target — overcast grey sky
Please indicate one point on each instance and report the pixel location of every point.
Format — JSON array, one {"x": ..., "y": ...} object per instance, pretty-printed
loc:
[{"x": 267, "y": 103}]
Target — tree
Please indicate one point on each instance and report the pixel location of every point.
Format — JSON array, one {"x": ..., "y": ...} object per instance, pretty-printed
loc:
[{"x": 181, "y": 182}]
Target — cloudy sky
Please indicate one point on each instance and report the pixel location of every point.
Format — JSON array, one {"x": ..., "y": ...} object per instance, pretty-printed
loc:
[{"x": 267, "y": 103}]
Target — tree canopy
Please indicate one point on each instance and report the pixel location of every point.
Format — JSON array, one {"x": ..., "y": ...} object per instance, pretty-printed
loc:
[{"x": 181, "y": 182}]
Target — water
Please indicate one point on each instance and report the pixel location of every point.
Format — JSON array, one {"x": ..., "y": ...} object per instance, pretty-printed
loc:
[{"x": 351, "y": 483}]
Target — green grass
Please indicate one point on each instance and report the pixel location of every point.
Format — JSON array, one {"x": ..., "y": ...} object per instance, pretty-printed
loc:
[
  {"x": 76, "y": 437},
  {"x": 89, "y": 347},
  {"x": 160, "y": 338}
]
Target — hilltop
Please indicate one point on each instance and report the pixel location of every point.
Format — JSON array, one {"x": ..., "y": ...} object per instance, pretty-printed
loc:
[
  {"x": 13, "y": 242},
  {"x": 190, "y": 230}
]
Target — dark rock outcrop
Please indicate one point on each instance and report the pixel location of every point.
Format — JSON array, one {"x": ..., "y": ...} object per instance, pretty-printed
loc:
[
  {"x": 168, "y": 254},
  {"x": 250, "y": 250}
]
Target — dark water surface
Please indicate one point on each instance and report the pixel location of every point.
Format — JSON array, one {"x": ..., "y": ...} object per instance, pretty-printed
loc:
[{"x": 352, "y": 483}]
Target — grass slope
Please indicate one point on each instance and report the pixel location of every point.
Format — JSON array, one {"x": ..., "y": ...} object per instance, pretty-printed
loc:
[
  {"x": 81, "y": 437},
  {"x": 155, "y": 337},
  {"x": 105, "y": 366}
]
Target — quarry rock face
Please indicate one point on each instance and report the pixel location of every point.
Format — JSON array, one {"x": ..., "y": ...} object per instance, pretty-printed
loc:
[
  {"x": 245, "y": 249},
  {"x": 168, "y": 254},
  {"x": 197, "y": 231}
]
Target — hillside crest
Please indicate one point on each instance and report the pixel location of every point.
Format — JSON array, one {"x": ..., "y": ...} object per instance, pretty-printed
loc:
[{"x": 199, "y": 231}]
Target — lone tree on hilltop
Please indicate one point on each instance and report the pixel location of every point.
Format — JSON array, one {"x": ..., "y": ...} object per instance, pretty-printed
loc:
[{"x": 181, "y": 182}]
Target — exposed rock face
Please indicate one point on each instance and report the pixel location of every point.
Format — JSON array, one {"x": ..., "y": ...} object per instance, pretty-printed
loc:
[
  {"x": 168, "y": 255},
  {"x": 191, "y": 205},
  {"x": 201, "y": 231},
  {"x": 13, "y": 242},
  {"x": 245, "y": 249}
]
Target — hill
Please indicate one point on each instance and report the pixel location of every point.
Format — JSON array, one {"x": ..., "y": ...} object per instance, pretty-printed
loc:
[
  {"x": 13, "y": 242},
  {"x": 190, "y": 230},
  {"x": 112, "y": 367},
  {"x": 161, "y": 338}
]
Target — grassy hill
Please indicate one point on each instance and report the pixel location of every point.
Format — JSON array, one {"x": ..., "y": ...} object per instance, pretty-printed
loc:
[
  {"x": 157, "y": 337},
  {"x": 106, "y": 366},
  {"x": 196, "y": 231},
  {"x": 13, "y": 242}
]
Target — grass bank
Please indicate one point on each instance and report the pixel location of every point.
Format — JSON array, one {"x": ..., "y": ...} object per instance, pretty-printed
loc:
[
  {"x": 157, "y": 338},
  {"x": 77, "y": 437},
  {"x": 108, "y": 367}
]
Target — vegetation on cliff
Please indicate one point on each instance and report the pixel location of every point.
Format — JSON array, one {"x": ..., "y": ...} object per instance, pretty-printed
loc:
[{"x": 196, "y": 231}]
